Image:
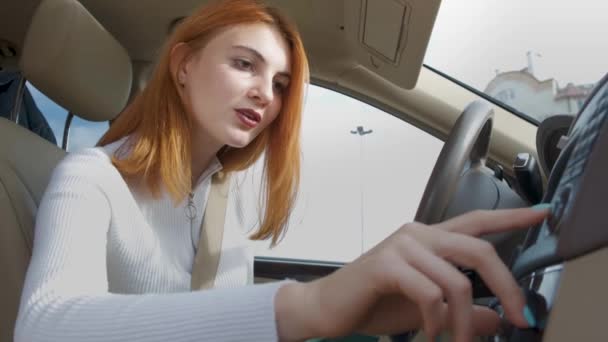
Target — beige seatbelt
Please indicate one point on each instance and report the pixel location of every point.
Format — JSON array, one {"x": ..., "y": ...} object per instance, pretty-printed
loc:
[{"x": 207, "y": 258}]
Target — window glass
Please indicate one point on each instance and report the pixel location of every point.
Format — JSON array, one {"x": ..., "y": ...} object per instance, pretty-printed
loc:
[
  {"x": 83, "y": 133},
  {"x": 17, "y": 105},
  {"x": 363, "y": 175},
  {"x": 54, "y": 114},
  {"x": 540, "y": 58}
]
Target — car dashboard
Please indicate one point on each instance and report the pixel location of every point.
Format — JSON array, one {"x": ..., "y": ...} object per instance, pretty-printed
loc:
[{"x": 575, "y": 227}]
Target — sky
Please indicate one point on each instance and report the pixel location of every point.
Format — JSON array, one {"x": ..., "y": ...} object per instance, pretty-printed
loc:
[
  {"x": 83, "y": 133},
  {"x": 473, "y": 38},
  {"x": 385, "y": 172}
]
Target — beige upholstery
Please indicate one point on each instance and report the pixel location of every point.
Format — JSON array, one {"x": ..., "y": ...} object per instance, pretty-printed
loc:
[
  {"x": 26, "y": 162},
  {"x": 71, "y": 58},
  {"x": 75, "y": 62}
]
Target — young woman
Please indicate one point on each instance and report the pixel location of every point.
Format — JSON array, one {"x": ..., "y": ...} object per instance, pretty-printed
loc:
[{"x": 115, "y": 240}]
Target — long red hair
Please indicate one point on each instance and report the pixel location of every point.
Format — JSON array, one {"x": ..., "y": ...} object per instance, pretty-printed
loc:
[{"x": 159, "y": 127}]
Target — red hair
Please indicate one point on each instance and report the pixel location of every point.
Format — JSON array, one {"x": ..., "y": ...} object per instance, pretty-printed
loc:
[{"x": 159, "y": 127}]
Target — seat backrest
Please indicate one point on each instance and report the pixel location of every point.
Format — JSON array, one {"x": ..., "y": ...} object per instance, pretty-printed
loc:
[
  {"x": 72, "y": 59},
  {"x": 26, "y": 164}
]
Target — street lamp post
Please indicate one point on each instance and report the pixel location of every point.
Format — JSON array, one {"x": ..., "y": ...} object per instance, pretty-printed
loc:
[{"x": 360, "y": 131}]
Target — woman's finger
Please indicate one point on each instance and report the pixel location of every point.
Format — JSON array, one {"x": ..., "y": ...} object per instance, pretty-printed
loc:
[
  {"x": 479, "y": 222},
  {"x": 455, "y": 286},
  {"x": 415, "y": 303},
  {"x": 486, "y": 321},
  {"x": 481, "y": 256},
  {"x": 396, "y": 314},
  {"x": 427, "y": 296}
]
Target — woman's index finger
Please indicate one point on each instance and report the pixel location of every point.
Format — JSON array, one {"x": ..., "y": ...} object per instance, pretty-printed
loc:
[{"x": 482, "y": 222}]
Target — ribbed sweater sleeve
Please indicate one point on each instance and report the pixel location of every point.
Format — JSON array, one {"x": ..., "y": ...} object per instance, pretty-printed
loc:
[{"x": 65, "y": 296}]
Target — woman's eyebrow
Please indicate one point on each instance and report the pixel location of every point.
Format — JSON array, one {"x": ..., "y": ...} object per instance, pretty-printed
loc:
[{"x": 260, "y": 57}]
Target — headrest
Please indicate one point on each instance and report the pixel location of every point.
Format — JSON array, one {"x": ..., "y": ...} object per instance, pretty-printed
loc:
[{"x": 73, "y": 60}]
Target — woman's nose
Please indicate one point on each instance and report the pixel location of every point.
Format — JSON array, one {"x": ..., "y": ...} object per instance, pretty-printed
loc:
[{"x": 262, "y": 92}]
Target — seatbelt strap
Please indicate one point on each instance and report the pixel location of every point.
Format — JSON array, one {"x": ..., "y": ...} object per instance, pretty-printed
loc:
[{"x": 207, "y": 258}]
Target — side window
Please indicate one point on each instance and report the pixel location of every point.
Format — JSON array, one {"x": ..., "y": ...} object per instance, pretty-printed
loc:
[
  {"x": 363, "y": 175},
  {"x": 82, "y": 133},
  {"x": 17, "y": 105}
]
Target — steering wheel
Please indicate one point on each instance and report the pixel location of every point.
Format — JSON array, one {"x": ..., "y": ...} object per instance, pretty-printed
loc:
[{"x": 466, "y": 148}]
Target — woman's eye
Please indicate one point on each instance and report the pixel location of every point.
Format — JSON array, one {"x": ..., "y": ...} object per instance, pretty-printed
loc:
[
  {"x": 279, "y": 87},
  {"x": 243, "y": 64}
]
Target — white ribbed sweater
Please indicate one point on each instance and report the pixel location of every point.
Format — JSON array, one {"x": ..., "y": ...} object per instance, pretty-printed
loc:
[{"x": 110, "y": 263}]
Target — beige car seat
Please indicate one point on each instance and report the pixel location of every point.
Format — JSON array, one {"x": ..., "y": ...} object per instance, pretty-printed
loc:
[{"x": 72, "y": 59}]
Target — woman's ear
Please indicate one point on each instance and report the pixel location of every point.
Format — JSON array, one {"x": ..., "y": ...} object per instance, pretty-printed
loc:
[{"x": 178, "y": 62}]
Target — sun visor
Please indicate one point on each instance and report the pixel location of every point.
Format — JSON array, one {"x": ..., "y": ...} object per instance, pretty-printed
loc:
[{"x": 391, "y": 36}]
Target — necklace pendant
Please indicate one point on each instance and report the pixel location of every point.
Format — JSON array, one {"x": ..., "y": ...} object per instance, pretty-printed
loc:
[{"x": 190, "y": 208}]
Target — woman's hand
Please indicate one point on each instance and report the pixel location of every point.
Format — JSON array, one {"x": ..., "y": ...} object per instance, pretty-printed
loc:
[{"x": 410, "y": 281}]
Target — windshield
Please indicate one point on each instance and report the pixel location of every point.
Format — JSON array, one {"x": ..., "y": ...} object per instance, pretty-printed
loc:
[{"x": 540, "y": 58}]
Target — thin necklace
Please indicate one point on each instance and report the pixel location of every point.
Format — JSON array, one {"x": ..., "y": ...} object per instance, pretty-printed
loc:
[{"x": 191, "y": 215}]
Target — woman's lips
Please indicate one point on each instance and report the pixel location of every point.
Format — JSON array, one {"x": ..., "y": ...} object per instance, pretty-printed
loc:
[{"x": 248, "y": 117}]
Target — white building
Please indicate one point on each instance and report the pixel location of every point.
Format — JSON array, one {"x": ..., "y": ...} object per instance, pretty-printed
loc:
[{"x": 538, "y": 99}]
